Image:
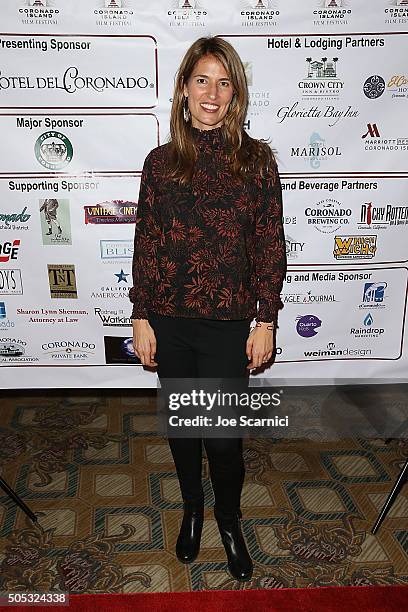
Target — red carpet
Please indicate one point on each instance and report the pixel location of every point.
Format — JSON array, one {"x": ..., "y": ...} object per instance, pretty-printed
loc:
[{"x": 327, "y": 599}]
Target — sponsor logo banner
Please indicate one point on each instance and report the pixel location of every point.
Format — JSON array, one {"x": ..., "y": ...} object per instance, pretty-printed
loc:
[
  {"x": 68, "y": 350},
  {"x": 374, "y": 295},
  {"x": 14, "y": 221},
  {"x": 38, "y": 12},
  {"x": 51, "y": 316},
  {"x": 44, "y": 144},
  {"x": 367, "y": 329},
  {"x": 114, "y": 13},
  {"x": 112, "y": 318},
  {"x": 62, "y": 281},
  {"x": 119, "y": 351},
  {"x": 53, "y": 150},
  {"x": 396, "y": 12},
  {"x": 375, "y": 140},
  {"x": 78, "y": 72},
  {"x": 55, "y": 221},
  {"x": 187, "y": 13},
  {"x": 362, "y": 208},
  {"x": 5, "y": 322},
  {"x": 9, "y": 250},
  {"x": 259, "y": 13},
  {"x": 116, "y": 249},
  {"x": 316, "y": 152},
  {"x": 14, "y": 350},
  {"x": 10, "y": 281},
  {"x": 116, "y": 211},
  {"x": 307, "y": 326},
  {"x": 342, "y": 314},
  {"x": 355, "y": 247}
]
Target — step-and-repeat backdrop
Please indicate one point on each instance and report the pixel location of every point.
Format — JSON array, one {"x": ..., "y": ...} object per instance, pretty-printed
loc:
[{"x": 85, "y": 94}]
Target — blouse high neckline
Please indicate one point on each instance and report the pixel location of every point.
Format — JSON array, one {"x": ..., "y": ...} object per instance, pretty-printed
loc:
[{"x": 213, "y": 135}]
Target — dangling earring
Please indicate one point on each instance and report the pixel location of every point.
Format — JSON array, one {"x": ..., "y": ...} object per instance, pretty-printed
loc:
[{"x": 186, "y": 110}]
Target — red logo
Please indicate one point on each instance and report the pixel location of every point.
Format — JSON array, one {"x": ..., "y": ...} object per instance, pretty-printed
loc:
[
  {"x": 9, "y": 250},
  {"x": 372, "y": 130}
]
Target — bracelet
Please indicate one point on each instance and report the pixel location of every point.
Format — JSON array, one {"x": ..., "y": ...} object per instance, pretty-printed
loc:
[{"x": 270, "y": 326}]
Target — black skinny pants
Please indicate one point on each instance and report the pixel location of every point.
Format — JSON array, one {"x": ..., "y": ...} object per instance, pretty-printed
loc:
[{"x": 205, "y": 348}]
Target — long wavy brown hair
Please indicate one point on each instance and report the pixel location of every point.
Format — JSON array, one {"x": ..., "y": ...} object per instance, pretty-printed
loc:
[{"x": 248, "y": 156}]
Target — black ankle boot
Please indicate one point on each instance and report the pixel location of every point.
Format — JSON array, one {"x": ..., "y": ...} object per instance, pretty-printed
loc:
[
  {"x": 239, "y": 562},
  {"x": 188, "y": 541}
]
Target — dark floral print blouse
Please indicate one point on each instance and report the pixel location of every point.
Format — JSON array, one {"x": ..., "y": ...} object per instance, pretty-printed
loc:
[{"x": 211, "y": 249}]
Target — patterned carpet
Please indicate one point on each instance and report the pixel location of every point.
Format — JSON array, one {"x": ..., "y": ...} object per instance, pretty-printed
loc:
[{"x": 104, "y": 486}]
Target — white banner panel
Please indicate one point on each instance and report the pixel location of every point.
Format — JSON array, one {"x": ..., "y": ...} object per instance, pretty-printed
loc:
[
  {"x": 77, "y": 143},
  {"x": 184, "y": 18},
  {"x": 85, "y": 93},
  {"x": 78, "y": 72},
  {"x": 322, "y": 109},
  {"x": 334, "y": 220},
  {"x": 314, "y": 322}
]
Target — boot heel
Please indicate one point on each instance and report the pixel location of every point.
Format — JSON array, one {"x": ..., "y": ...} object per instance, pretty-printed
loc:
[
  {"x": 239, "y": 561},
  {"x": 189, "y": 539}
]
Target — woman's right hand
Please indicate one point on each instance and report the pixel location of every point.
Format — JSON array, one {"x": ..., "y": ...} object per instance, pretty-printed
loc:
[{"x": 144, "y": 342}]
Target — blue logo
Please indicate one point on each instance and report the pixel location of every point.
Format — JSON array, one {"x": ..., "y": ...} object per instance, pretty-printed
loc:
[
  {"x": 127, "y": 347},
  {"x": 307, "y": 325},
  {"x": 4, "y": 322},
  {"x": 374, "y": 292},
  {"x": 122, "y": 276},
  {"x": 315, "y": 142},
  {"x": 368, "y": 320}
]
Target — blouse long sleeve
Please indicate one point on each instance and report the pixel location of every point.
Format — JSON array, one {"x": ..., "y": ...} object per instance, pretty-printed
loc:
[
  {"x": 270, "y": 250},
  {"x": 147, "y": 233}
]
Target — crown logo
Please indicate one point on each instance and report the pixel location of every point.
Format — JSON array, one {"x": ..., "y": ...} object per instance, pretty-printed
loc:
[{"x": 53, "y": 152}]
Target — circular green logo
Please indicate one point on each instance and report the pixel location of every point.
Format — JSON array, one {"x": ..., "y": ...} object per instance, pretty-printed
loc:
[{"x": 53, "y": 150}]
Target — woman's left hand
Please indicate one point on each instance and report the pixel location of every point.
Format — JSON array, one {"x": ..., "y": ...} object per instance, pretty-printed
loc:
[{"x": 260, "y": 345}]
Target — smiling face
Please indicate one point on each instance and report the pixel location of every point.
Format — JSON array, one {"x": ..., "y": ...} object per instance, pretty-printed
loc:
[{"x": 209, "y": 91}]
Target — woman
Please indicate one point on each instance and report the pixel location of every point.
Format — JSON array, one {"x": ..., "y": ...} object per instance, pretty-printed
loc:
[{"x": 209, "y": 256}]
